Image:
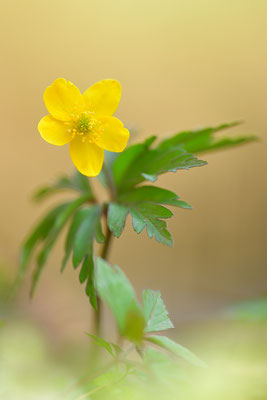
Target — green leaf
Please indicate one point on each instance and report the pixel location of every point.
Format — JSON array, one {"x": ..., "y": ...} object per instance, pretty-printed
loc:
[
  {"x": 140, "y": 203},
  {"x": 180, "y": 203},
  {"x": 148, "y": 215},
  {"x": 61, "y": 218},
  {"x": 156, "y": 315},
  {"x": 203, "y": 140},
  {"x": 77, "y": 182},
  {"x": 144, "y": 162},
  {"x": 151, "y": 178},
  {"x": 79, "y": 216},
  {"x": 113, "y": 349},
  {"x": 117, "y": 214},
  {"x": 127, "y": 159},
  {"x": 176, "y": 349},
  {"x": 112, "y": 376},
  {"x": 88, "y": 263},
  {"x": 90, "y": 284},
  {"x": 148, "y": 193},
  {"x": 115, "y": 289},
  {"x": 253, "y": 310},
  {"x": 85, "y": 235},
  {"x": 39, "y": 234},
  {"x": 99, "y": 236}
]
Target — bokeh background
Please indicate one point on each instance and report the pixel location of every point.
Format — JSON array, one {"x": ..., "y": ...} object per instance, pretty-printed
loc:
[{"x": 182, "y": 64}]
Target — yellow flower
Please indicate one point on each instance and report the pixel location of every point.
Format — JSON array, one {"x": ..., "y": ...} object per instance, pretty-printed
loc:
[{"x": 84, "y": 121}]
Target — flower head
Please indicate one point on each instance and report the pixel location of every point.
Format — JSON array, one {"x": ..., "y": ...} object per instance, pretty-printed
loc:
[{"x": 84, "y": 121}]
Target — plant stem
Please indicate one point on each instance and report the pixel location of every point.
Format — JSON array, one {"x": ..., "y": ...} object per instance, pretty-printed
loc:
[
  {"x": 106, "y": 245},
  {"x": 104, "y": 255}
]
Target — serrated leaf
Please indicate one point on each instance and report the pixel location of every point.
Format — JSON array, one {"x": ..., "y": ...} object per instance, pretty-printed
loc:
[
  {"x": 156, "y": 315},
  {"x": 146, "y": 163},
  {"x": 177, "y": 349},
  {"x": 117, "y": 214},
  {"x": 85, "y": 235},
  {"x": 203, "y": 140},
  {"x": 148, "y": 215},
  {"x": 77, "y": 182},
  {"x": 112, "y": 348},
  {"x": 141, "y": 202},
  {"x": 115, "y": 289},
  {"x": 59, "y": 223}
]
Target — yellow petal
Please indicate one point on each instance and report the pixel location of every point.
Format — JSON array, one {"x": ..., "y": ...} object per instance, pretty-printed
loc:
[
  {"x": 103, "y": 97},
  {"x": 54, "y": 131},
  {"x": 112, "y": 135},
  {"x": 87, "y": 157},
  {"x": 63, "y": 99}
]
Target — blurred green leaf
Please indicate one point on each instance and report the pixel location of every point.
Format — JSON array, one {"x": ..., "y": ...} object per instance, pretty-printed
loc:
[
  {"x": 39, "y": 234},
  {"x": 156, "y": 315},
  {"x": 115, "y": 289},
  {"x": 112, "y": 348},
  {"x": 175, "y": 348},
  {"x": 203, "y": 140},
  {"x": 77, "y": 182},
  {"x": 253, "y": 310},
  {"x": 59, "y": 222},
  {"x": 117, "y": 214}
]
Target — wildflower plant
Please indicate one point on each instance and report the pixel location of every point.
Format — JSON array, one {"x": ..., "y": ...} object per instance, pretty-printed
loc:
[{"x": 129, "y": 176}]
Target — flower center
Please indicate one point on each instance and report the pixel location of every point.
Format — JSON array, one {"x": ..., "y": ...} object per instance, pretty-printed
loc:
[{"x": 84, "y": 125}]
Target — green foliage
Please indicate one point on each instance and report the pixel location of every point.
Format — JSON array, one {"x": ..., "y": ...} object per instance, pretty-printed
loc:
[
  {"x": 60, "y": 220},
  {"x": 151, "y": 216},
  {"x": 253, "y": 310},
  {"x": 113, "y": 349},
  {"x": 115, "y": 289},
  {"x": 77, "y": 182},
  {"x": 155, "y": 313},
  {"x": 141, "y": 162},
  {"x": 204, "y": 140},
  {"x": 144, "y": 204},
  {"x": 133, "y": 321},
  {"x": 175, "y": 348},
  {"x": 39, "y": 234},
  {"x": 117, "y": 214}
]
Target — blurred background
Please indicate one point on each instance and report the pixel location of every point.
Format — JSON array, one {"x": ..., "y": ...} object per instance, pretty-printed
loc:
[{"x": 182, "y": 65}]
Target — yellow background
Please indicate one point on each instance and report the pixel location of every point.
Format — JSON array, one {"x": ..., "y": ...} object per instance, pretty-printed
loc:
[{"x": 182, "y": 65}]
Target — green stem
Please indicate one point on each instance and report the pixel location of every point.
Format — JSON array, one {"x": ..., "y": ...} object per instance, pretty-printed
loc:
[
  {"x": 106, "y": 246},
  {"x": 104, "y": 255}
]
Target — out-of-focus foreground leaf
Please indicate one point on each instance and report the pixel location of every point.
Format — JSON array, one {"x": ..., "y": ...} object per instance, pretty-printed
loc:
[{"x": 115, "y": 289}]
